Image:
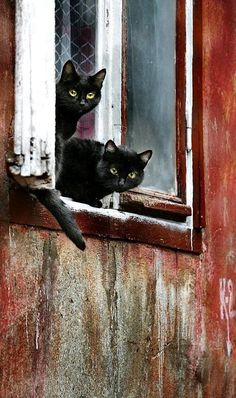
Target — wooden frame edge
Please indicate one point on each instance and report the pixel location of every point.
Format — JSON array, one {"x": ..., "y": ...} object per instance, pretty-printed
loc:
[{"x": 25, "y": 210}]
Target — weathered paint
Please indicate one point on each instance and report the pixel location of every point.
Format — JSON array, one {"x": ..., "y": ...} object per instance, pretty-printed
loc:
[
  {"x": 122, "y": 319},
  {"x": 219, "y": 261},
  {"x": 34, "y": 121},
  {"x": 96, "y": 324}
]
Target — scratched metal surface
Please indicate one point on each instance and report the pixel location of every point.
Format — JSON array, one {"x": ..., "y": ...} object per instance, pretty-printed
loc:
[
  {"x": 117, "y": 320},
  {"x": 127, "y": 320},
  {"x": 218, "y": 298}
]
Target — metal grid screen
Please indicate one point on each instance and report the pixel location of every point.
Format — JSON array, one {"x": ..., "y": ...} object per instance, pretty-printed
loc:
[{"x": 75, "y": 39}]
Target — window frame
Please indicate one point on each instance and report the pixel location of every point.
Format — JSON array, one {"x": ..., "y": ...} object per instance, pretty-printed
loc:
[
  {"x": 109, "y": 50},
  {"x": 149, "y": 201},
  {"x": 172, "y": 227},
  {"x": 34, "y": 141}
]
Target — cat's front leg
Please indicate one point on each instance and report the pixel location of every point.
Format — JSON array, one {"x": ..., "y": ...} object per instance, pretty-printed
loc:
[{"x": 95, "y": 203}]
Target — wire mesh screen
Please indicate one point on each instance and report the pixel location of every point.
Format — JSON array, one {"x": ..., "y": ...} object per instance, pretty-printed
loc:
[{"x": 75, "y": 40}]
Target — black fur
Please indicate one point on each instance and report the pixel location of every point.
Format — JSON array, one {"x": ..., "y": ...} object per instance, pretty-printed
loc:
[
  {"x": 69, "y": 110},
  {"x": 92, "y": 170},
  {"x": 50, "y": 198}
]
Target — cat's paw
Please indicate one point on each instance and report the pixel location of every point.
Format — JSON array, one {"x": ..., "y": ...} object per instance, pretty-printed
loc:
[
  {"x": 14, "y": 163},
  {"x": 13, "y": 159},
  {"x": 15, "y": 170}
]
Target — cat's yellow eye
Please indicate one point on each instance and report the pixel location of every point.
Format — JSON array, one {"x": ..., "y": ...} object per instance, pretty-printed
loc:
[
  {"x": 90, "y": 96},
  {"x": 113, "y": 171},
  {"x": 132, "y": 175},
  {"x": 72, "y": 93}
]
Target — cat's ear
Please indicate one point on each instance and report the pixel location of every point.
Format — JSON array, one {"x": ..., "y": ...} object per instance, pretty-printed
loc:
[
  {"x": 68, "y": 72},
  {"x": 99, "y": 77},
  {"x": 110, "y": 147},
  {"x": 145, "y": 156}
]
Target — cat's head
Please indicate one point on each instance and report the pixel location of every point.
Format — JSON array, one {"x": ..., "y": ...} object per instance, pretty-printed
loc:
[
  {"x": 120, "y": 168},
  {"x": 76, "y": 94}
]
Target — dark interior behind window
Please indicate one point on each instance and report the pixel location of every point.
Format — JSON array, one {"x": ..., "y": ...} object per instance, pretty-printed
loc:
[{"x": 75, "y": 39}]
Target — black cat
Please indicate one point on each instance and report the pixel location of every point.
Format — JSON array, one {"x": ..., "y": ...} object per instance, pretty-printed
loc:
[
  {"x": 75, "y": 96},
  {"x": 92, "y": 170}
]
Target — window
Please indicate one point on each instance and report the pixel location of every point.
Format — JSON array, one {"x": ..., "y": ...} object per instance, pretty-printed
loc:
[
  {"x": 151, "y": 100},
  {"x": 159, "y": 96},
  {"x": 89, "y": 32},
  {"x": 151, "y": 87}
]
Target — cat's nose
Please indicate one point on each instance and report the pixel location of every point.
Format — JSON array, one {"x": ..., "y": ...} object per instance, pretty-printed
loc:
[
  {"x": 82, "y": 102},
  {"x": 121, "y": 182}
]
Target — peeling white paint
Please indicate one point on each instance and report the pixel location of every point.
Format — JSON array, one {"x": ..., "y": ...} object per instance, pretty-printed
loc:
[{"x": 34, "y": 134}]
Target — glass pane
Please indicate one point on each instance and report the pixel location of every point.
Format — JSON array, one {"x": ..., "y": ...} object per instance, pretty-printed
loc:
[
  {"x": 151, "y": 88},
  {"x": 75, "y": 39}
]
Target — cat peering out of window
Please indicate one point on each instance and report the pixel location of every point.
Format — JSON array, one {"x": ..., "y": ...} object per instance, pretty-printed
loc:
[
  {"x": 86, "y": 170},
  {"x": 92, "y": 170}
]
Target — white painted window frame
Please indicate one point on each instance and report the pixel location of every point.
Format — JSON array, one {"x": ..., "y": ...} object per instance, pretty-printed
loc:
[
  {"x": 34, "y": 130},
  {"x": 109, "y": 56}
]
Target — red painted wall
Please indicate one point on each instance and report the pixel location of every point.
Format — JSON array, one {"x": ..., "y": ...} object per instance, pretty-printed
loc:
[
  {"x": 219, "y": 260},
  {"x": 125, "y": 319}
]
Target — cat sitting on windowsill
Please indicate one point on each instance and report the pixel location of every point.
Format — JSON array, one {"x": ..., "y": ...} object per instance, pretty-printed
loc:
[
  {"x": 86, "y": 170},
  {"x": 92, "y": 170}
]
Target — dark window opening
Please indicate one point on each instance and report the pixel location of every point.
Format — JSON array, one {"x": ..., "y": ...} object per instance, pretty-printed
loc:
[{"x": 75, "y": 40}]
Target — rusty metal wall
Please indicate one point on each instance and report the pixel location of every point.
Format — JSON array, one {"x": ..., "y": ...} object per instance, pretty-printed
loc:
[
  {"x": 115, "y": 321},
  {"x": 125, "y": 320}
]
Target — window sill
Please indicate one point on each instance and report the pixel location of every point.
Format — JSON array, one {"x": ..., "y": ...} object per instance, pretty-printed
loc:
[
  {"x": 108, "y": 223},
  {"x": 155, "y": 205}
]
